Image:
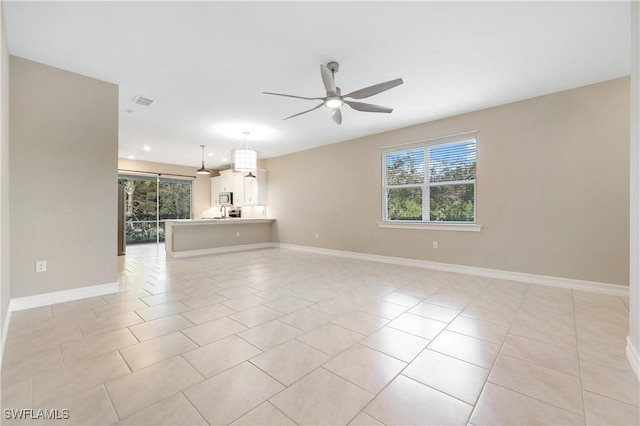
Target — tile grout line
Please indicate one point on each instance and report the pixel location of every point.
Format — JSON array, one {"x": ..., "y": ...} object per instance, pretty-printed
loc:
[
  {"x": 191, "y": 403},
  {"x": 611, "y": 398},
  {"x": 111, "y": 400},
  {"x": 113, "y": 407},
  {"x": 538, "y": 400},
  {"x": 575, "y": 329},
  {"x": 283, "y": 413},
  {"x": 499, "y": 351}
]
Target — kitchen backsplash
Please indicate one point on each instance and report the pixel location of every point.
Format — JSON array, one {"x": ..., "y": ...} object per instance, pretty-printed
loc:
[
  {"x": 254, "y": 212},
  {"x": 248, "y": 212}
]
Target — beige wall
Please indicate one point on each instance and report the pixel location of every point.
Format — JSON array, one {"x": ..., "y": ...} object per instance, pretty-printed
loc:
[
  {"x": 634, "y": 296},
  {"x": 552, "y": 189},
  {"x": 63, "y": 153},
  {"x": 201, "y": 184},
  {"x": 5, "y": 291}
]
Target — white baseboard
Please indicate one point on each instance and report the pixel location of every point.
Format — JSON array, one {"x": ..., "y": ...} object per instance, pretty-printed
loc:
[
  {"x": 592, "y": 286},
  {"x": 633, "y": 358},
  {"x": 219, "y": 250},
  {"x": 45, "y": 299}
]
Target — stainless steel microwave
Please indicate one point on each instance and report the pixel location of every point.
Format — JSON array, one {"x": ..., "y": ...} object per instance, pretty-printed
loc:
[{"x": 225, "y": 198}]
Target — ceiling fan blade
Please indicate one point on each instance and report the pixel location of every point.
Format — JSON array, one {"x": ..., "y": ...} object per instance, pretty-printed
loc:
[
  {"x": 359, "y": 106},
  {"x": 329, "y": 82},
  {"x": 375, "y": 89},
  {"x": 291, "y": 96},
  {"x": 304, "y": 112},
  {"x": 337, "y": 116}
]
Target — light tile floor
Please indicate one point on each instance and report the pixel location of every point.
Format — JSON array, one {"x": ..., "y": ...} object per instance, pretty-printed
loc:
[{"x": 283, "y": 337}]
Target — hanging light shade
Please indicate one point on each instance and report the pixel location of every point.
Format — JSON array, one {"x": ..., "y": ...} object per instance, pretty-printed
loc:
[
  {"x": 243, "y": 158},
  {"x": 202, "y": 170}
]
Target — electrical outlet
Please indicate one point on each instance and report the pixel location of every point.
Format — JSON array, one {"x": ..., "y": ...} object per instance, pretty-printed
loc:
[
  {"x": 435, "y": 244},
  {"x": 317, "y": 235},
  {"x": 41, "y": 266},
  {"x": 238, "y": 234}
]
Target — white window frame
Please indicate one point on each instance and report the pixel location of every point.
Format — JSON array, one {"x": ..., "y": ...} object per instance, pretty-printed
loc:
[{"x": 426, "y": 186}]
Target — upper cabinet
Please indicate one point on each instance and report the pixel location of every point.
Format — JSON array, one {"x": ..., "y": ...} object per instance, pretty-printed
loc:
[
  {"x": 226, "y": 180},
  {"x": 255, "y": 189},
  {"x": 238, "y": 189},
  {"x": 216, "y": 188},
  {"x": 247, "y": 191}
]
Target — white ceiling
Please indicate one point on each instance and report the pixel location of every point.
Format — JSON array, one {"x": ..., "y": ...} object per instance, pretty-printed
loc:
[{"x": 206, "y": 63}]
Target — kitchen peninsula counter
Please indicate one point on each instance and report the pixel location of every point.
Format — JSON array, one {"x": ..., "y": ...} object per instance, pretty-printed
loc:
[{"x": 186, "y": 237}]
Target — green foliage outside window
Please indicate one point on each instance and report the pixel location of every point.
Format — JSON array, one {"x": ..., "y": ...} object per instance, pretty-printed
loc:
[
  {"x": 451, "y": 203},
  {"x": 175, "y": 200},
  {"x": 405, "y": 168},
  {"x": 450, "y": 198},
  {"x": 144, "y": 199},
  {"x": 405, "y": 204}
]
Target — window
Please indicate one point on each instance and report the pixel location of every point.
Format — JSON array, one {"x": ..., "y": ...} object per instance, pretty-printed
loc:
[{"x": 432, "y": 183}]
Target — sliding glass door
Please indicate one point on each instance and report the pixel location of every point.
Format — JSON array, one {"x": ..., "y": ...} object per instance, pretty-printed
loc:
[
  {"x": 174, "y": 201},
  {"x": 149, "y": 201}
]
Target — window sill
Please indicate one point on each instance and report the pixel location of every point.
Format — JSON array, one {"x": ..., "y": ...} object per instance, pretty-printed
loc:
[{"x": 431, "y": 226}]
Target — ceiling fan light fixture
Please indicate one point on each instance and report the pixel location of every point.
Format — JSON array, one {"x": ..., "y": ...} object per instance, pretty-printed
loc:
[
  {"x": 334, "y": 102},
  {"x": 202, "y": 170}
]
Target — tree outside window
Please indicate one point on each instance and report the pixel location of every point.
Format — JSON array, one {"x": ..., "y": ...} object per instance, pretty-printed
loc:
[{"x": 431, "y": 183}]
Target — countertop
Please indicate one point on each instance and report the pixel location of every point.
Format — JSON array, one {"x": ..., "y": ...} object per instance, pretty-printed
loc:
[{"x": 227, "y": 221}]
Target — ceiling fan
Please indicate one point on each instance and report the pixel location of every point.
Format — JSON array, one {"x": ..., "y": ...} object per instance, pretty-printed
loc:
[{"x": 335, "y": 99}]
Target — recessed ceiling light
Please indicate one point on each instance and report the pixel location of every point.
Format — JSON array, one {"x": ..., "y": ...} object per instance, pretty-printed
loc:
[
  {"x": 210, "y": 154},
  {"x": 131, "y": 157},
  {"x": 147, "y": 148},
  {"x": 224, "y": 159}
]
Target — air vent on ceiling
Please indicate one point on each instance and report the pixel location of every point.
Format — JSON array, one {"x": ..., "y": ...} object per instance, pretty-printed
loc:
[{"x": 142, "y": 101}]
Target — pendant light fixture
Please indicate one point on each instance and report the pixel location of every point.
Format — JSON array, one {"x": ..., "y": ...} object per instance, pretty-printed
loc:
[
  {"x": 202, "y": 170},
  {"x": 243, "y": 158}
]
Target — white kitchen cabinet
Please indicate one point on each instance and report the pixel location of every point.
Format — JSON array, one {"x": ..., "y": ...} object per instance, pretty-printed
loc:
[
  {"x": 238, "y": 188},
  {"x": 255, "y": 189},
  {"x": 246, "y": 191},
  {"x": 226, "y": 180},
  {"x": 216, "y": 183}
]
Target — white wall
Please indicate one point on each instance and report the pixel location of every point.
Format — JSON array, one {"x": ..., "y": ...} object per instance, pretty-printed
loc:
[
  {"x": 64, "y": 161},
  {"x": 633, "y": 344}
]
